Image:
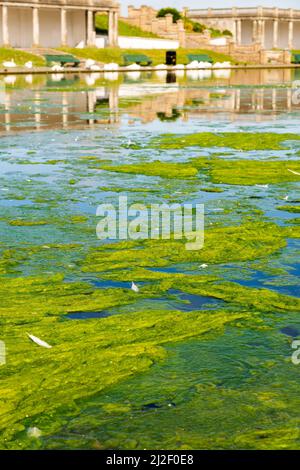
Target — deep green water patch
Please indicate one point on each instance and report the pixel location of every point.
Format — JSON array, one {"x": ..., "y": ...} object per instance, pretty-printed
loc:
[{"x": 235, "y": 140}]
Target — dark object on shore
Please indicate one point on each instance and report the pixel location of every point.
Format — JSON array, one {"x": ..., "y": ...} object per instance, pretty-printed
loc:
[{"x": 171, "y": 58}]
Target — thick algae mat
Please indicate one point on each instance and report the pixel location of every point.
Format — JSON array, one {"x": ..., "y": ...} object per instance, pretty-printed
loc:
[{"x": 200, "y": 357}]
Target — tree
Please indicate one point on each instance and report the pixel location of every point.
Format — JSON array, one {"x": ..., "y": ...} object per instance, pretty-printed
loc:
[{"x": 166, "y": 11}]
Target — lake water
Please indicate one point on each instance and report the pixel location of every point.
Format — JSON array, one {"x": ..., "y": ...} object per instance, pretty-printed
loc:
[{"x": 129, "y": 370}]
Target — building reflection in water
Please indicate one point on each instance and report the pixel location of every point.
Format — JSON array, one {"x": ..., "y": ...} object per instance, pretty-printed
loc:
[{"x": 56, "y": 103}]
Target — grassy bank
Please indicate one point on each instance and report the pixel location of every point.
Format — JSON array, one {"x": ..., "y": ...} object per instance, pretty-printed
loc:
[
  {"x": 20, "y": 57},
  {"x": 124, "y": 28},
  {"x": 158, "y": 56},
  {"x": 110, "y": 54}
]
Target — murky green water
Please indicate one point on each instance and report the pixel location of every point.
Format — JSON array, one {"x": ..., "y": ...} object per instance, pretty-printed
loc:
[{"x": 201, "y": 356}]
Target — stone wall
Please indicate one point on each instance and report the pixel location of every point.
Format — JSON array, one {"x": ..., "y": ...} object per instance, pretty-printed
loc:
[
  {"x": 145, "y": 18},
  {"x": 252, "y": 52}
]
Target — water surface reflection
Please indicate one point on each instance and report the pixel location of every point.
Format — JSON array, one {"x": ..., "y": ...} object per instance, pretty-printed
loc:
[{"x": 57, "y": 101}]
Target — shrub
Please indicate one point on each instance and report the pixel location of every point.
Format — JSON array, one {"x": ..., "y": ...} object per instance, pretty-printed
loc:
[
  {"x": 226, "y": 32},
  {"x": 166, "y": 11}
]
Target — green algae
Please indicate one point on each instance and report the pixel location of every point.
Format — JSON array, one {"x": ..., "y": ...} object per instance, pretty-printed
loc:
[
  {"x": 9, "y": 260},
  {"x": 256, "y": 300},
  {"x": 156, "y": 168},
  {"x": 203, "y": 380},
  {"x": 86, "y": 356},
  {"x": 27, "y": 223},
  {"x": 222, "y": 245},
  {"x": 106, "y": 359},
  {"x": 295, "y": 221},
  {"x": 34, "y": 297},
  {"x": 248, "y": 172},
  {"x": 212, "y": 190},
  {"x": 235, "y": 140},
  {"x": 288, "y": 208},
  {"x": 78, "y": 219},
  {"x": 225, "y": 244},
  {"x": 237, "y": 172}
]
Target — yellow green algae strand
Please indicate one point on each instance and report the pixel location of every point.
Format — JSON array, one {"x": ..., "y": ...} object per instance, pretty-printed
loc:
[
  {"x": 86, "y": 357},
  {"x": 289, "y": 208},
  {"x": 236, "y": 140},
  {"x": 90, "y": 356},
  {"x": 156, "y": 168},
  {"x": 237, "y": 172},
  {"x": 248, "y": 241},
  {"x": 249, "y": 172}
]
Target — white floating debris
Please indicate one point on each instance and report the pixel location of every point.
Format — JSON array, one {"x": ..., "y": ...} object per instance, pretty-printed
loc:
[
  {"x": 39, "y": 341},
  {"x": 34, "y": 432},
  {"x": 134, "y": 287},
  {"x": 295, "y": 172},
  {"x": 203, "y": 265},
  {"x": 265, "y": 186}
]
